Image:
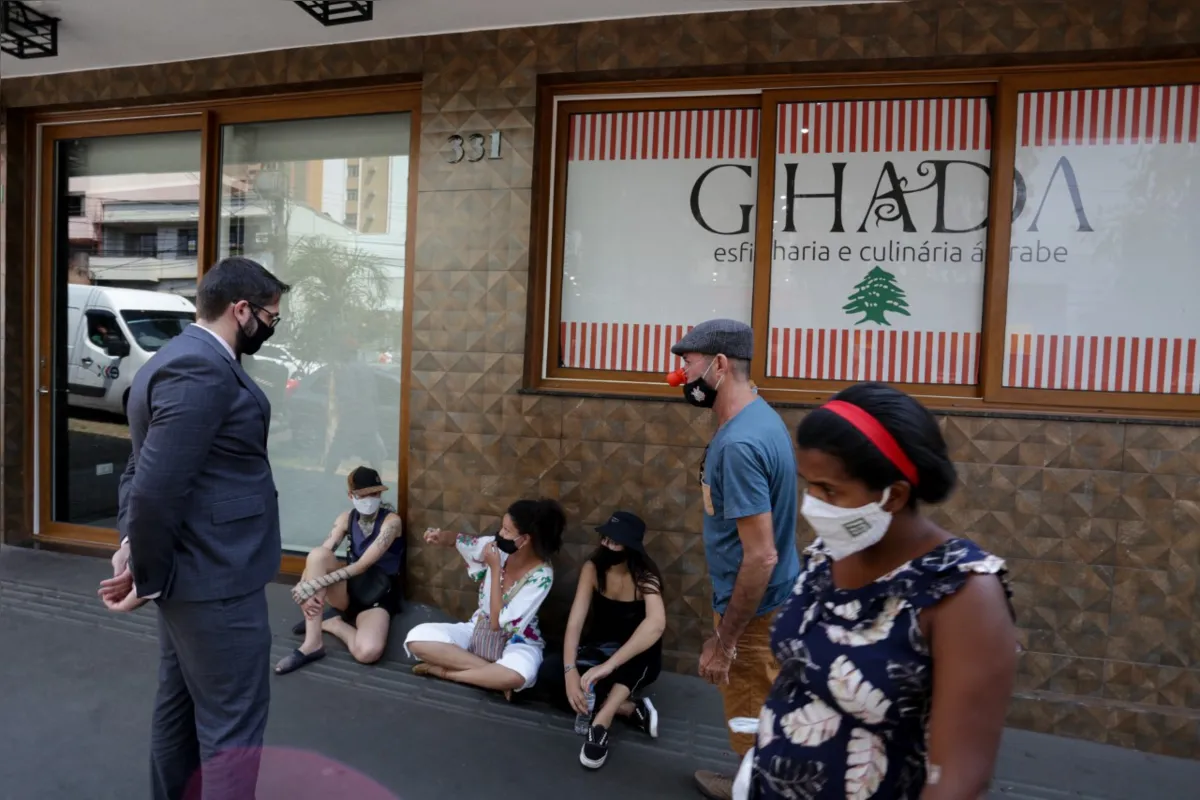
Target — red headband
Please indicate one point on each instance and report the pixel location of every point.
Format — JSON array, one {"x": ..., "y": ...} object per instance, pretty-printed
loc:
[{"x": 869, "y": 426}]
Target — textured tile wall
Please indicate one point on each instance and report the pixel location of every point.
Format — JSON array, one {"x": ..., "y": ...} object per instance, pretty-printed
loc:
[{"x": 1100, "y": 521}]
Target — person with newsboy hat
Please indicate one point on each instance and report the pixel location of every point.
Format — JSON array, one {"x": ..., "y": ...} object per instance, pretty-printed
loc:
[
  {"x": 362, "y": 595},
  {"x": 749, "y": 488},
  {"x": 613, "y": 643}
]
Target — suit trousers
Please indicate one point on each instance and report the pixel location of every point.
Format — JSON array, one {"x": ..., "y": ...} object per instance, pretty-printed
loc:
[{"x": 214, "y": 691}]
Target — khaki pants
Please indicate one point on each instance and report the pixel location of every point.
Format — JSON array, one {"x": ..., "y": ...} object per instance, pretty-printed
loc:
[{"x": 751, "y": 676}]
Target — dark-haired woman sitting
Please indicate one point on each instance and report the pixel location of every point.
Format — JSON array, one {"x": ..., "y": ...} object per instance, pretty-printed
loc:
[
  {"x": 613, "y": 643},
  {"x": 897, "y": 649},
  {"x": 500, "y": 648}
]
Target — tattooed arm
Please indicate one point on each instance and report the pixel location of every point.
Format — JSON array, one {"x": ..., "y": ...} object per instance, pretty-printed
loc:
[
  {"x": 392, "y": 529},
  {"x": 341, "y": 527}
]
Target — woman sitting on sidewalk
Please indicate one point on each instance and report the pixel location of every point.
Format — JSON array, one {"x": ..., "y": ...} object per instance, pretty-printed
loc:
[
  {"x": 500, "y": 648},
  {"x": 619, "y": 653}
]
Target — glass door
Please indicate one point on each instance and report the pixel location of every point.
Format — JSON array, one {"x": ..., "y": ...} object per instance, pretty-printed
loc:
[
  {"x": 120, "y": 264},
  {"x": 133, "y": 211},
  {"x": 323, "y": 204}
]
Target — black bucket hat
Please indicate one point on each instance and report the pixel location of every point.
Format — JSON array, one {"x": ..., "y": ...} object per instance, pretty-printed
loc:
[
  {"x": 364, "y": 479},
  {"x": 626, "y": 529}
]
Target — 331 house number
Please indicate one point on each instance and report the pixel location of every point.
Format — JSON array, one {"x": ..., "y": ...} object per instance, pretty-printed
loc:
[{"x": 473, "y": 147}]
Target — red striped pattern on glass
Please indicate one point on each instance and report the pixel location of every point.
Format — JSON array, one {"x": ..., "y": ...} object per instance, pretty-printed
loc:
[
  {"x": 885, "y": 126},
  {"x": 628, "y": 347},
  {"x": 1102, "y": 363},
  {"x": 1139, "y": 115},
  {"x": 831, "y": 354},
  {"x": 723, "y": 133},
  {"x": 839, "y": 354}
]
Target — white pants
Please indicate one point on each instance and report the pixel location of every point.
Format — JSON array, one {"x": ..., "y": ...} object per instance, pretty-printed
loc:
[{"x": 522, "y": 658}]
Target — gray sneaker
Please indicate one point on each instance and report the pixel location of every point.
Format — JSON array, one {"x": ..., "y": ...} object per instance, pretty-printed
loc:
[{"x": 714, "y": 786}]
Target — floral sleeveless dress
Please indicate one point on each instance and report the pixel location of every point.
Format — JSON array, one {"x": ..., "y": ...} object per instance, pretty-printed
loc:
[{"x": 848, "y": 716}]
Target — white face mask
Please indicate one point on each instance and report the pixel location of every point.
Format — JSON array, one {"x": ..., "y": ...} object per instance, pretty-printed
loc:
[
  {"x": 367, "y": 505},
  {"x": 846, "y": 531}
]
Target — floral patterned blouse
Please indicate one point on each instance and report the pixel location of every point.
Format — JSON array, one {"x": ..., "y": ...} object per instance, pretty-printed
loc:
[
  {"x": 518, "y": 615},
  {"x": 848, "y": 716}
]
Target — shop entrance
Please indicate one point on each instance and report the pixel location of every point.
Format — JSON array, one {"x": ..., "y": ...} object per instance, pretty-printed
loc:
[{"x": 132, "y": 212}]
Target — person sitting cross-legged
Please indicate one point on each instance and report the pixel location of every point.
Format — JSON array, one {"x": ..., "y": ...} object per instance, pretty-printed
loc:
[
  {"x": 501, "y": 647},
  {"x": 364, "y": 594}
]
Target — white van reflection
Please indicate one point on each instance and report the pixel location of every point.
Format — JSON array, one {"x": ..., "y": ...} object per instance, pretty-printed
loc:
[{"x": 111, "y": 333}]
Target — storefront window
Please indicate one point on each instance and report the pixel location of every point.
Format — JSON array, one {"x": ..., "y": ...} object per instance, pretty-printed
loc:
[
  {"x": 118, "y": 289},
  {"x": 877, "y": 257},
  {"x": 658, "y": 231},
  {"x": 1103, "y": 289},
  {"x": 324, "y": 204}
]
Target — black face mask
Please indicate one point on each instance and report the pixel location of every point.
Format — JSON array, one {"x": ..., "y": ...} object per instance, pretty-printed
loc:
[
  {"x": 699, "y": 393},
  {"x": 249, "y": 343},
  {"x": 506, "y": 546},
  {"x": 606, "y": 558}
]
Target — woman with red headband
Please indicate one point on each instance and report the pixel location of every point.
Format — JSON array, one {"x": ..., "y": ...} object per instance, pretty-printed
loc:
[{"x": 897, "y": 649}]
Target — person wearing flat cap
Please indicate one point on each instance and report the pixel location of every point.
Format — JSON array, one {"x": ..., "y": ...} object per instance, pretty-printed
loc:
[
  {"x": 613, "y": 643},
  {"x": 750, "y": 494},
  {"x": 363, "y": 595}
]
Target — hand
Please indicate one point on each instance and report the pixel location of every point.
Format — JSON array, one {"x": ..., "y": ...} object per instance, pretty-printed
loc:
[
  {"x": 115, "y": 589},
  {"x": 313, "y": 606},
  {"x": 576, "y": 694},
  {"x": 595, "y": 675},
  {"x": 303, "y": 591},
  {"x": 130, "y": 602},
  {"x": 715, "y": 661},
  {"x": 120, "y": 560},
  {"x": 491, "y": 555},
  {"x": 439, "y": 537}
]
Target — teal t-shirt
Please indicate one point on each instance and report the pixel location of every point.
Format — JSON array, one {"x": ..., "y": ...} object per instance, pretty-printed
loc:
[{"x": 749, "y": 469}]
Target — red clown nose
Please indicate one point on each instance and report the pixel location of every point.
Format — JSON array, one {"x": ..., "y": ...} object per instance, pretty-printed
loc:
[{"x": 677, "y": 378}]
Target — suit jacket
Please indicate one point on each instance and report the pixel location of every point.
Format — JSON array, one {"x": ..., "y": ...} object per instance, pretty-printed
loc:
[{"x": 197, "y": 499}]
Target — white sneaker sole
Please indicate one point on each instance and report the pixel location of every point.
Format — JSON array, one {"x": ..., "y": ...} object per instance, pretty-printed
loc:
[
  {"x": 653, "y": 727},
  {"x": 589, "y": 763}
]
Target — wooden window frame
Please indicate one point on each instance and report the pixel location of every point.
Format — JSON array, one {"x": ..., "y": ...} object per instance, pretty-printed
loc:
[
  {"x": 208, "y": 117},
  {"x": 1002, "y": 86}
]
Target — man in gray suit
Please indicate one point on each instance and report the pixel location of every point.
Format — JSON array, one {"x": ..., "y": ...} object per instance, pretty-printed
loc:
[{"x": 199, "y": 519}]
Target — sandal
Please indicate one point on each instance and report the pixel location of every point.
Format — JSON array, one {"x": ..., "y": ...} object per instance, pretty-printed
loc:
[
  {"x": 424, "y": 670},
  {"x": 295, "y": 660}
]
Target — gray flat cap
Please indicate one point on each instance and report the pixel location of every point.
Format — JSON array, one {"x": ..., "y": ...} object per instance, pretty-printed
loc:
[{"x": 726, "y": 337}]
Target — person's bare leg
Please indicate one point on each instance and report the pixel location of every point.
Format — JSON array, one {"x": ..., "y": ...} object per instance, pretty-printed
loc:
[
  {"x": 612, "y": 705},
  {"x": 366, "y": 638},
  {"x": 321, "y": 561},
  {"x": 446, "y": 656},
  {"x": 489, "y": 676}
]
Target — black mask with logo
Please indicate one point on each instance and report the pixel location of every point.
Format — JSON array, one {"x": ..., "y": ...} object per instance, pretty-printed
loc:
[
  {"x": 699, "y": 393},
  {"x": 605, "y": 558},
  {"x": 249, "y": 343}
]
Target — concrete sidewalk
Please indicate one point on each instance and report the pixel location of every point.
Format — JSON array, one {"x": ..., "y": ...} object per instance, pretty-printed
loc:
[{"x": 76, "y": 686}]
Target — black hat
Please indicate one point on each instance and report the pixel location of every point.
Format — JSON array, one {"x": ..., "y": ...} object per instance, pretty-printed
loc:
[
  {"x": 364, "y": 479},
  {"x": 626, "y": 529}
]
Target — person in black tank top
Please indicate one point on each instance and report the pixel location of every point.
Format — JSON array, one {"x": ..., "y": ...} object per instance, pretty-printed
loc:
[
  {"x": 613, "y": 643},
  {"x": 365, "y": 593}
]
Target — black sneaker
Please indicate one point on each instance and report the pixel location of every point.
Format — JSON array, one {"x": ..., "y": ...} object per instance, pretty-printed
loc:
[
  {"x": 595, "y": 749},
  {"x": 645, "y": 717}
]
